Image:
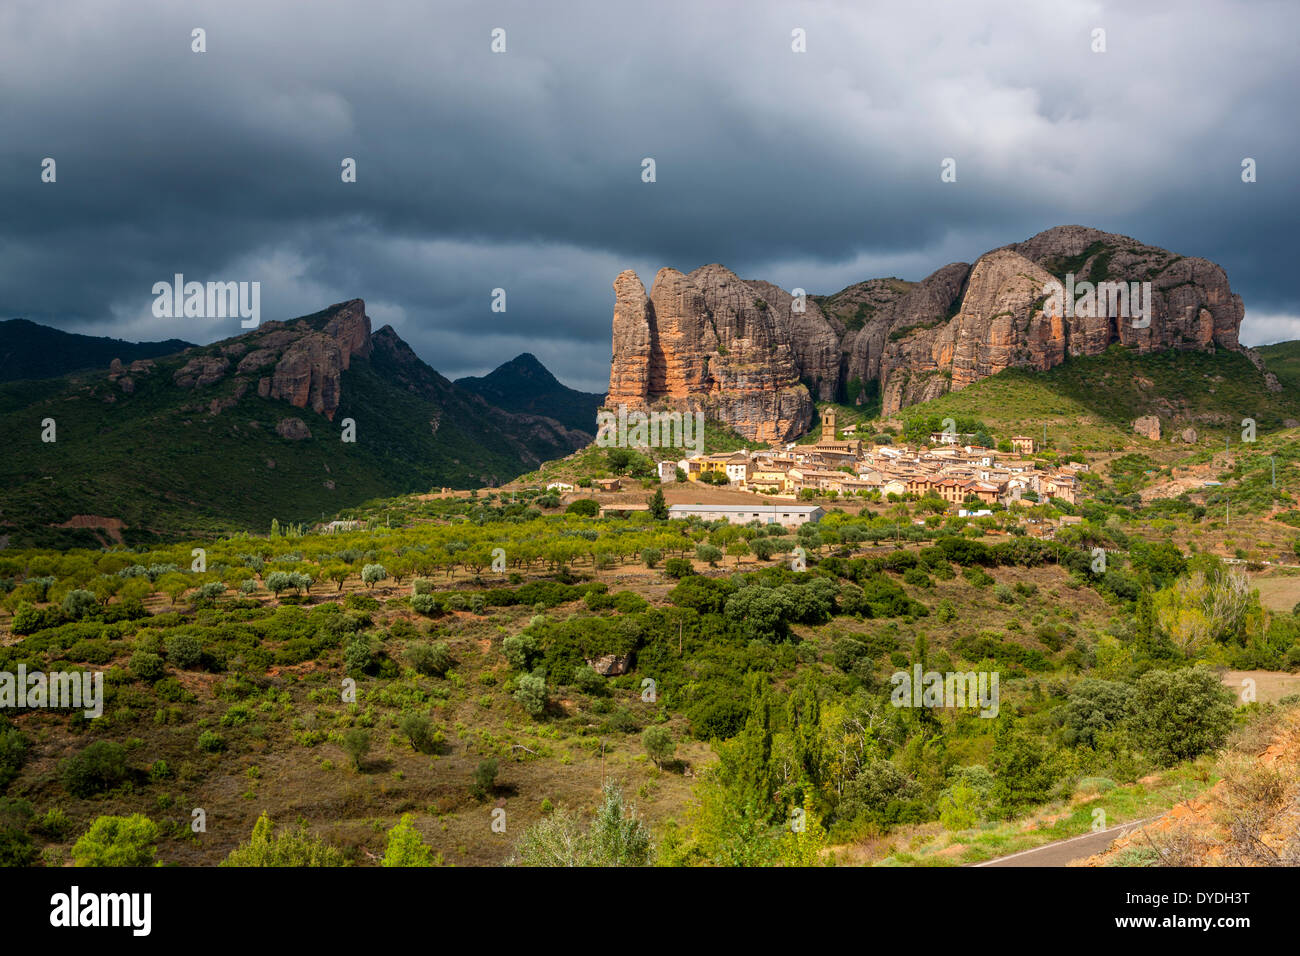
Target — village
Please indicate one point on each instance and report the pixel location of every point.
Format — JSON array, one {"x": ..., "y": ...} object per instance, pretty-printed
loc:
[{"x": 788, "y": 484}]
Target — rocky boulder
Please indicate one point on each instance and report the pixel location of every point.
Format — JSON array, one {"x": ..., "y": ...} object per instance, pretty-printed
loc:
[
  {"x": 294, "y": 429},
  {"x": 611, "y": 665}
]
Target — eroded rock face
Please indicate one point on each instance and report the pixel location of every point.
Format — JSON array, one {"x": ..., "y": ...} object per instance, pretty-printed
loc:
[
  {"x": 713, "y": 343},
  {"x": 309, "y": 370},
  {"x": 1148, "y": 426}
]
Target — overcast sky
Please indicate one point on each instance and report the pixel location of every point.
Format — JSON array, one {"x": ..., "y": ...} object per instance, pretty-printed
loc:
[{"x": 522, "y": 170}]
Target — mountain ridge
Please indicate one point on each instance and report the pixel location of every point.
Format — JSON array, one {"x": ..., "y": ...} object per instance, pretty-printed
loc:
[
  {"x": 741, "y": 351},
  {"x": 30, "y": 350},
  {"x": 231, "y": 434},
  {"x": 525, "y": 385}
]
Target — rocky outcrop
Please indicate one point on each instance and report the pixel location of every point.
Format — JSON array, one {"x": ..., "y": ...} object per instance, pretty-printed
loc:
[
  {"x": 1148, "y": 426},
  {"x": 1270, "y": 380},
  {"x": 611, "y": 665},
  {"x": 709, "y": 342},
  {"x": 739, "y": 351},
  {"x": 309, "y": 371},
  {"x": 294, "y": 429},
  {"x": 201, "y": 371}
]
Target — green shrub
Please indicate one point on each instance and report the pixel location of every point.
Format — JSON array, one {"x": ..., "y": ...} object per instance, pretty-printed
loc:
[
  {"x": 531, "y": 692},
  {"x": 77, "y": 603},
  {"x": 99, "y": 766},
  {"x": 211, "y": 742},
  {"x": 485, "y": 779},
  {"x": 13, "y": 754},
  {"x": 425, "y": 604},
  {"x": 678, "y": 568},
  {"x": 147, "y": 666},
  {"x": 418, "y": 729},
  {"x": 294, "y": 848},
  {"x": 356, "y": 744},
  {"x": 588, "y": 681},
  {"x": 404, "y": 846},
  {"x": 184, "y": 650},
  {"x": 430, "y": 659},
  {"x": 118, "y": 841}
]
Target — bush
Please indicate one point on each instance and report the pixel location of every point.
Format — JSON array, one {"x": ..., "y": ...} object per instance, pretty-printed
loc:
[
  {"x": 16, "y": 847},
  {"x": 404, "y": 846},
  {"x": 485, "y": 779},
  {"x": 211, "y": 591},
  {"x": 425, "y": 604},
  {"x": 419, "y": 731},
  {"x": 118, "y": 841},
  {"x": 99, "y": 766},
  {"x": 531, "y": 692},
  {"x": 917, "y": 578},
  {"x": 583, "y": 508},
  {"x": 1004, "y": 594},
  {"x": 184, "y": 650},
  {"x": 651, "y": 557},
  {"x": 587, "y": 680},
  {"x": 78, "y": 603},
  {"x": 288, "y": 848},
  {"x": 1181, "y": 714},
  {"x": 1094, "y": 708},
  {"x": 616, "y": 837},
  {"x": 678, "y": 568},
  {"x": 147, "y": 666},
  {"x": 27, "y": 619},
  {"x": 211, "y": 742},
  {"x": 357, "y": 659},
  {"x": 356, "y": 744},
  {"x": 13, "y": 754},
  {"x": 430, "y": 659}
]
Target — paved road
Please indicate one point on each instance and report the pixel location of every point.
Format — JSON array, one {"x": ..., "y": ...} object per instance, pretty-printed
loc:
[{"x": 1063, "y": 852}]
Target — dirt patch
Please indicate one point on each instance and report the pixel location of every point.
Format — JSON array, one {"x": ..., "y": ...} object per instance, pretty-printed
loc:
[{"x": 111, "y": 527}]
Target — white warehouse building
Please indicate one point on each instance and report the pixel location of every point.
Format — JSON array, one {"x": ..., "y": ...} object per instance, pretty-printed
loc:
[{"x": 786, "y": 513}]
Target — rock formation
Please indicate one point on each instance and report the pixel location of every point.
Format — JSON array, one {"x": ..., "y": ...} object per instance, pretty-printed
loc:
[
  {"x": 739, "y": 351},
  {"x": 708, "y": 342},
  {"x": 1148, "y": 426}
]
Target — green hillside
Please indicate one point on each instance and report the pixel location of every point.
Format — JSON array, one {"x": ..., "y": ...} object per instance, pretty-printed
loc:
[
  {"x": 162, "y": 463},
  {"x": 1283, "y": 360},
  {"x": 1090, "y": 403}
]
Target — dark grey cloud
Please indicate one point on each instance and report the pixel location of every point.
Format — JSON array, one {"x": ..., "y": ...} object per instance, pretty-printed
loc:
[{"x": 522, "y": 170}]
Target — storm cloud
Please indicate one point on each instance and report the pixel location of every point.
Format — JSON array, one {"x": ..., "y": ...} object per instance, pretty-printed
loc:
[{"x": 522, "y": 170}]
